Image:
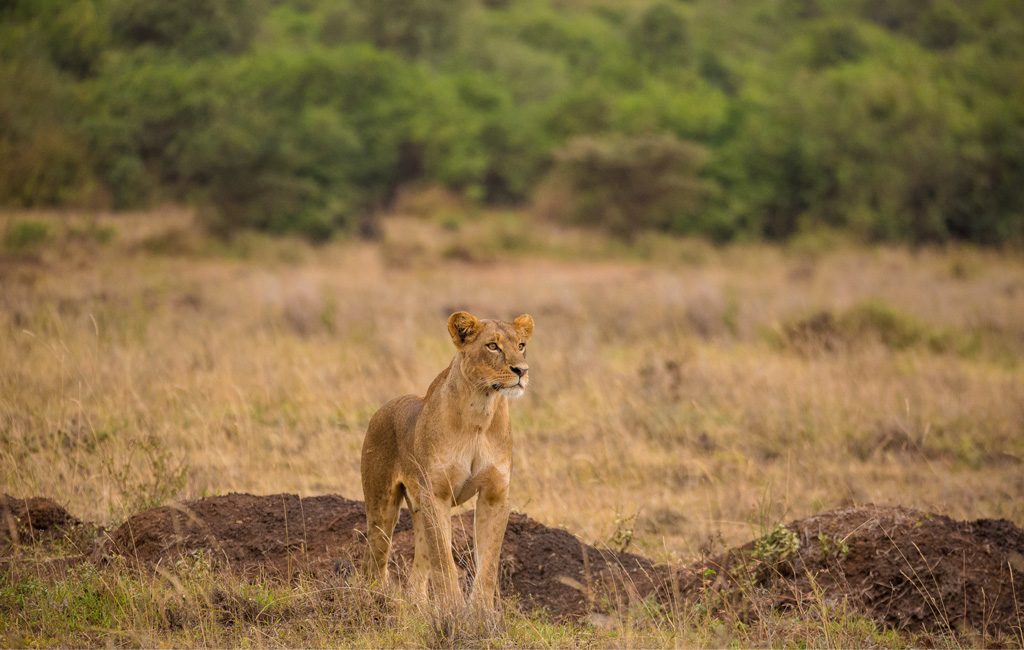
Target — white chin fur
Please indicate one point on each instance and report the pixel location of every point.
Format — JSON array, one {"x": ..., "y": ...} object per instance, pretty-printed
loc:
[{"x": 512, "y": 392}]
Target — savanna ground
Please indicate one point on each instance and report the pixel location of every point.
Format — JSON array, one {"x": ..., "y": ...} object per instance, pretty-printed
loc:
[{"x": 685, "y": 399}]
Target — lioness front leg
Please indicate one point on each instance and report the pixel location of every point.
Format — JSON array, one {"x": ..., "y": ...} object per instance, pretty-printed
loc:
[
  {"x": 437, "y": 542},
  {"x": 489, "y": 524}
]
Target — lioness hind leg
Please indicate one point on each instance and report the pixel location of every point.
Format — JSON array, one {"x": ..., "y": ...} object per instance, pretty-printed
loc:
[
  {"x": 381, "y": 517},
  {"x": 420, "y": 573}
]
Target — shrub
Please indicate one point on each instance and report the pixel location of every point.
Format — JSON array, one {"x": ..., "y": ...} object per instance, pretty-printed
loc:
[
  {"x": 945, "y": 26},
  {"x": 627, "y": 185},
  {"x": 42, "y": 160},
  {"x": 896, "y": 16},
  {"x": 414, "y": 28},
  {"x": 834, "y": 44},
  {"x": 194, "y": 27},
  {"x": 870, "y": 321},
  {"x": 23, "y": 234},
  {"x": 660, "y": 38}
]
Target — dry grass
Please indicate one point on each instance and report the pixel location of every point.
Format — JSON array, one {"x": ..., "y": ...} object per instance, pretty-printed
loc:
[
  {"x": 192, "y": 605},
  {"x": 671, "y": 405},
  {"x": 663, "y": 388}
]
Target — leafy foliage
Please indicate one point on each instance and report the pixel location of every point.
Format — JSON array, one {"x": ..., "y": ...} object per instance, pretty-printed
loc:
[
  {"x": 894, "y": 121},
  {"x": 631, "y": 184},
  {"x": 195, "y": 28}
]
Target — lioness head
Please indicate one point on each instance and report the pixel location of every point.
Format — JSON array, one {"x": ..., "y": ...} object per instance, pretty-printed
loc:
[{"x": 493, "y": 352}]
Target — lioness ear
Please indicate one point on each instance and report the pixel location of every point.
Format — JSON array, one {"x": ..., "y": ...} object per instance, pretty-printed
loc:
[
  {"x": 524, "y": 325},
  {"x": 463, "y": 326}
]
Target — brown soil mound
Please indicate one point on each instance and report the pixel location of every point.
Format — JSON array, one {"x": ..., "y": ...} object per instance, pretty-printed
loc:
[
  {"x": 31, "y": 519},
  {"x": 905, "y": 568},
  {"x": 284, "y": 535},
  {"x": 280, "y": 534}
]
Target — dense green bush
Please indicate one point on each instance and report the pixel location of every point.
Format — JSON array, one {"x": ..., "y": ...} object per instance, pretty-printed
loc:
[
  {"x": 24, "y": 234},
  {"x": 627, "y": 185},
  {"x": 891, "y": 121},
  {"x": 415, "y": 28},
  {"x": 43, "y": 161},
  {"x": 660, "y": 38},
  {"x": 194, "y": 28},
  {"x": 883, "y": 153}
]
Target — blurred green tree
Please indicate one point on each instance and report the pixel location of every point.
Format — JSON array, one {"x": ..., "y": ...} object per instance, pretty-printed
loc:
[
  {"x": 661, "y": 38},
  {"x": 893, "y": 121},
  {"x": 414, "y": 28},
  {"x": 194, "y": 28},
  {"x": 628, "y": 185}
]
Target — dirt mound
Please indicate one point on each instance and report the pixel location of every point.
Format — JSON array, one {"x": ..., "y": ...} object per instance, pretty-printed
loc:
[
  {"x": 284, "y": 535},
  {"x": 32, "y": 519},
  {"x": 280, "y": 534},
  {"x": 551, "y": 568},
  {"x": 905, "y": 568}
]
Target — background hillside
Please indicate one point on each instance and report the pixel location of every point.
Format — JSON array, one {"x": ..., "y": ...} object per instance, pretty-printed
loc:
[{"x": 891, "y": 121}]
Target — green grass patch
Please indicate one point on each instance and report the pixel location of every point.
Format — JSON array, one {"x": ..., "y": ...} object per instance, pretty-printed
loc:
[{"x": 22, "y": 235}]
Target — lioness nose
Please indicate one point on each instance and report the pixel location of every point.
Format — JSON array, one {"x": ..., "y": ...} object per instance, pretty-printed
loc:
[{"x": 520, "y": 370}]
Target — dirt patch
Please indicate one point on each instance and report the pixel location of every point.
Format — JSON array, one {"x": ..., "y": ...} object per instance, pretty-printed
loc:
[
  {"x": 32, "y": 519},
  {"x": 284, "y": 535},
  {"x": 280, "y": 534},
  {"x": 905, "y": 568}
]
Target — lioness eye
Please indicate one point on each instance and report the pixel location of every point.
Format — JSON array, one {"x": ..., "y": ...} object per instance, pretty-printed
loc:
[
  {"x": 492, "y": 346},
  {"x": 522, "y": 346}
]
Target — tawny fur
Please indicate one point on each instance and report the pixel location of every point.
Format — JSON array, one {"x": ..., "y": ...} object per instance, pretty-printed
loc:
[{"x": 440, "y": 450}]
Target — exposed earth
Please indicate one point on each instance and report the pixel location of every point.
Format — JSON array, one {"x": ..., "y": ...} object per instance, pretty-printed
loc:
[{"x": 905, "y": 568}]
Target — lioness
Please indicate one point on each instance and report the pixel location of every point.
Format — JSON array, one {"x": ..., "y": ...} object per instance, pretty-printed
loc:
[{"x": 439, "y": 450}]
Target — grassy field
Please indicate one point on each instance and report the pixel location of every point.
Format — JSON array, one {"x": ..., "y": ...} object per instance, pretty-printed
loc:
[{"x": 684, "y": 397}]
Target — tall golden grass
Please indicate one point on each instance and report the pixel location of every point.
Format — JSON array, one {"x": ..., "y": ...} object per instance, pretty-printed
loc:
[{"x": 683, "y": 395}]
